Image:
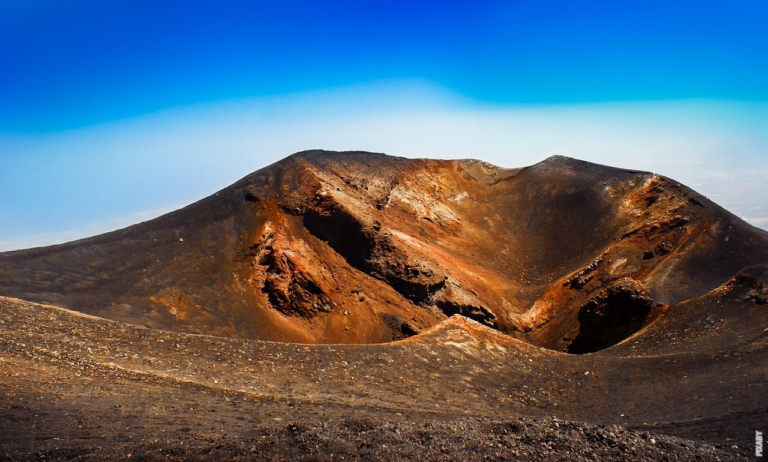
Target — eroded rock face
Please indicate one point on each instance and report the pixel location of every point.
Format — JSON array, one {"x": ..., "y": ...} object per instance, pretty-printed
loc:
[
  {"x": 356, "y": 247},
  {"x": 285, "y": 275},
  {"x": 614, "y": 314},
  {"x": 756, "y": 279}
]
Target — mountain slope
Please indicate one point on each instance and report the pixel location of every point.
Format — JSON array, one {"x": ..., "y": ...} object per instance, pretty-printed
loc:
[{"x": 355, "y": 247}]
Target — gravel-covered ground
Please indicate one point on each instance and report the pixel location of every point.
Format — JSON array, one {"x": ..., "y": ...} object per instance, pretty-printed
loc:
[
  {"x": 395, "y": 440},
  {"x": 74, "y": 387}
]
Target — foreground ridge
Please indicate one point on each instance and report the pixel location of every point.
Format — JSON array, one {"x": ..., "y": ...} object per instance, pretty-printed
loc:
[{"x": 185, "y": 396}]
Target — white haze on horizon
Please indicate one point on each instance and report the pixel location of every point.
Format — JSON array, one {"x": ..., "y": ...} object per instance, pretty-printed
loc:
[{"x": 57, "y": 187}]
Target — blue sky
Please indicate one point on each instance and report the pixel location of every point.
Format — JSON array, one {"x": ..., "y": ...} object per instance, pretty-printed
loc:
[{"x": 114, "y": 112}]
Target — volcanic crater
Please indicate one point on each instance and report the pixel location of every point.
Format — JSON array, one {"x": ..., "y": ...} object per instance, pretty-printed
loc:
[{"x": 580, "y": 266}]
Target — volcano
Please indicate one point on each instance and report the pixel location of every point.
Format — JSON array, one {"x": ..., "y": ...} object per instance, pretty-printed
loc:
[
  {"x": 356, "y": 247},
  {"x": 621, "y": 297}
]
